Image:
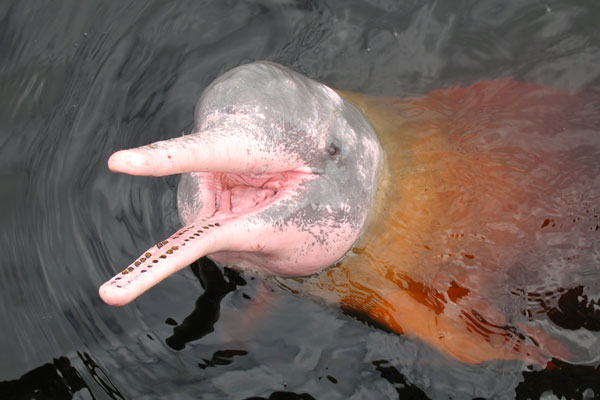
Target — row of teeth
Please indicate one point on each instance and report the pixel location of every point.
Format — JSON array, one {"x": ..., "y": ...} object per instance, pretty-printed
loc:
[{"x": 146, "y": 256}]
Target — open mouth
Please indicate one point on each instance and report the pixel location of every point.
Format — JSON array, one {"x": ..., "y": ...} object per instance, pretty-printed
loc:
[
  {"x": 226, "y": 200},
  {"x": 229, "y": 195},
  {"x": 224, "y": 213}
]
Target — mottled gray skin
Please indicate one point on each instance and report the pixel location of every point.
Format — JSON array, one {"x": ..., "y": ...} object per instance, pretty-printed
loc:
[{"x": 298, "y": 118}]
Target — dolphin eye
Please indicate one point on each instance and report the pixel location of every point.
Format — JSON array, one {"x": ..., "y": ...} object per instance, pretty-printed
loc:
[{"x": 333, "y": 150}]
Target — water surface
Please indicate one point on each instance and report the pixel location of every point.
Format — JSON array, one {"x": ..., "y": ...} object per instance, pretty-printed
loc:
[{"x": 81, "y": 80}]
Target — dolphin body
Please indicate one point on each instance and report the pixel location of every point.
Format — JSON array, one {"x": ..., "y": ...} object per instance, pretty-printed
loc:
[{"x": 287, "y": 177}]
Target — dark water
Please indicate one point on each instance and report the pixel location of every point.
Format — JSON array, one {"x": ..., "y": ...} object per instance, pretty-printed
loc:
[{"x": 80, "y": 80}]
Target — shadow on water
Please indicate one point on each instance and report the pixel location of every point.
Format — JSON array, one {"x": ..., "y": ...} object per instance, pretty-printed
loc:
[
  {"x": 60, "y": 380},
  {"x": 56, "y": 380},
  {"x": 575, "y": 310},
  {"x": 201, "y": 321},
  {"x": 284, "y": 396}
]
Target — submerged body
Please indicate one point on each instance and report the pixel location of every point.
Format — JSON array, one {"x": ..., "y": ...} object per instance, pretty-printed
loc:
[
  {"x": 465, "y": 223},
  {"x": 438, "y": 210}
]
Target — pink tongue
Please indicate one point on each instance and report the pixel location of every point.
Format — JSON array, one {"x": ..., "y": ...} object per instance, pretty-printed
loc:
[
  {"x": 243, "y": 198},
  {"x": 162, "y": 260}
]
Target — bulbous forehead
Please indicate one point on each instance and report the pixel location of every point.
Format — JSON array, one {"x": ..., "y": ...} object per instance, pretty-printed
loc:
[
  {"x": 292, "y": 112},
  {"x": 272, "y": 92}
]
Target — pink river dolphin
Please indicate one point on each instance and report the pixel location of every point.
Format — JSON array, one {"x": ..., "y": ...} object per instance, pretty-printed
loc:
[{"x": 408, "y": 211}]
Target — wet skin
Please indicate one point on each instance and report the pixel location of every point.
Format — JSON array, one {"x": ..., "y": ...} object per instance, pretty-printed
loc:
[{"x": 287, "y": 177}]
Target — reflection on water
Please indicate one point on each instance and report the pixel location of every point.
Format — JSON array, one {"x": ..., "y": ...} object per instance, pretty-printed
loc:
[{"x": 82, "y": 80}]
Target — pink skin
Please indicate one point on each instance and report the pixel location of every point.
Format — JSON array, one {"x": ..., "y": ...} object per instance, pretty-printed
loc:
[{"x": 252, "y": 195}]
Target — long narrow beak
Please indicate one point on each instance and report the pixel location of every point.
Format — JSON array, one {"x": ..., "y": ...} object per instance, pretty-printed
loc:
[
  {"x": 217, "y": 150},
  {"x": 196, "y": 240}
]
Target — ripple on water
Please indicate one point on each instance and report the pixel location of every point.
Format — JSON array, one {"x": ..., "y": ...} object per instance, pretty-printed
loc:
[{"x": 80, "y": 81}]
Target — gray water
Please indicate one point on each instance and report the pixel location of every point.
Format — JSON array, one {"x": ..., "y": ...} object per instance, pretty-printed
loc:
[{"x": 80, "y": 80}]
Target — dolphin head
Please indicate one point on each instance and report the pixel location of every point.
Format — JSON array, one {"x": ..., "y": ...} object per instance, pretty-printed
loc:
[{"x": 279, "y": 177}]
